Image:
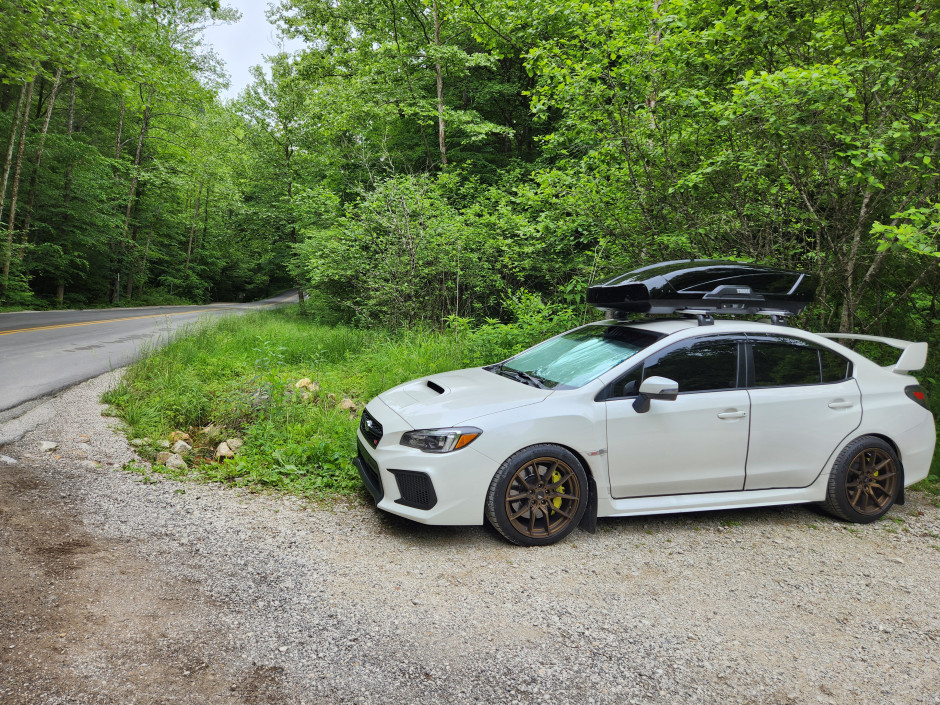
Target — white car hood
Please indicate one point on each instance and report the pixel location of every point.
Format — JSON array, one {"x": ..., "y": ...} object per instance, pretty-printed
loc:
[{"x": 467, "y": 395}]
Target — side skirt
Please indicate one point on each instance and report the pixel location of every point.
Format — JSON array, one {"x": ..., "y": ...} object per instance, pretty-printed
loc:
[{"x": 673, "y": 504}]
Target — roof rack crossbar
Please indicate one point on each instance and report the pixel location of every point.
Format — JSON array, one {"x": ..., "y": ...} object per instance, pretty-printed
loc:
[
  {"x": 777, "y": 317},
  {"x": 704, "y": 317}
]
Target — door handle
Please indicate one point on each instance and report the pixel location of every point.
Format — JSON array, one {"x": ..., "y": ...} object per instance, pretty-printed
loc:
[
  {"x": 731, "y": 414},
  {"x": 841, "y": 404}
]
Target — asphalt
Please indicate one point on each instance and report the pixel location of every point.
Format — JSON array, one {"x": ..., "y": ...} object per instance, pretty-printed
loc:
[{"x": 44, "y": 352}]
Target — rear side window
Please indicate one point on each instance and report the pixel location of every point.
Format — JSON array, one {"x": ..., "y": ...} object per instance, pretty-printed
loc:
[
  {"x": 780, "y": 361},
  {"x": 835, "y": 368},
  {"x": 698, "y": 366}
]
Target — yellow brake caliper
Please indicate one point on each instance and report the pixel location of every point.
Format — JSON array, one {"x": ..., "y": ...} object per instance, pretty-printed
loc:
[{"x": 556, "y": 476}]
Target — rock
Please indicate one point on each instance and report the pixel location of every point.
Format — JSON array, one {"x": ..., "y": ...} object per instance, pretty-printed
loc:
[
  {"x": 137, "y": 442},
  {"x": 211, "y": 430},
  {"x": 331, "y": 397},
  {"x": 349, "y": 405},
  {"x": 180, "y": 436},
  {"x": 305, "y": 396},
  {"x": 235, "y": 444},
  {"x": 305, "y": 383},
  {"x": 163, "y": 456},
  {"x": 176, "y": 462},
  {"x": 47, "y": 446},
  {"x": 7, "y": 460},
  {"x": 163, "y": 444},
  {"x": 224, "y": 451},
  {"x": 181, "y": 447}
]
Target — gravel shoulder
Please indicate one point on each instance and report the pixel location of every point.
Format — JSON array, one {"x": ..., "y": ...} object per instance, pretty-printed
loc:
[{"x": 120, "y": 588}]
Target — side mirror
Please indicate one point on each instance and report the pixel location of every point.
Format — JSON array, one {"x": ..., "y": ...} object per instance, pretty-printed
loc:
[{"x": 655, "y": 388}]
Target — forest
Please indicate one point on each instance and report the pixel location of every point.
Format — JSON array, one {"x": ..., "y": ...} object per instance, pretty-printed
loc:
[{"x": 425, "y": 161}]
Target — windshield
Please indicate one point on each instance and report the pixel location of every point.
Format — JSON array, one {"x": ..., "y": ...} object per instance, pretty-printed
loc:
[{"x": 575, "y": 358}]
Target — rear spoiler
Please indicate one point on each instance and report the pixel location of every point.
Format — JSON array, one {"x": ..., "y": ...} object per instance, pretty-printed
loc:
[{"x": 913, "y": 355}]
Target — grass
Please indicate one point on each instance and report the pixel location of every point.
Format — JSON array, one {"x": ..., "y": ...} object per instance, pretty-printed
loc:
[{"x": 237, "y": 377}]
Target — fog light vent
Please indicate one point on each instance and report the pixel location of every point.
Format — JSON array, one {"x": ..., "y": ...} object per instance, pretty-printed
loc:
[{"x": 415, "y": 488}]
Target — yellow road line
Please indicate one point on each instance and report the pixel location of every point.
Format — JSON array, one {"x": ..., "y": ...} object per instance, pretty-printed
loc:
[{"x": 111, "y": 320}]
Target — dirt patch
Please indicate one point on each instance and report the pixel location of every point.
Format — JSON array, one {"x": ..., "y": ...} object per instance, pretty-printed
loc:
[{"x": 85, "y": 620}]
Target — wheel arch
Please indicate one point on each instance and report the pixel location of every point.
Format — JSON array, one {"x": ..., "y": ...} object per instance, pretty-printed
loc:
[
  {"x": 897, "y": 451},
  {"x": 588, "y": 522}
]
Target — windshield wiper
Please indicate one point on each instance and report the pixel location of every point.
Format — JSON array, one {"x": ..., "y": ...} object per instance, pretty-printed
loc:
[{"x": 523, "y": 377}]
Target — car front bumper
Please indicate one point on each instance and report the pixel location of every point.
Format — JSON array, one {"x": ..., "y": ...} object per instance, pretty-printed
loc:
[{"x": 430, "y": 488}]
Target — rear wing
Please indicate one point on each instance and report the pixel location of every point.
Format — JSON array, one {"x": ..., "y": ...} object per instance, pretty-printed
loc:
[{"x": 913, "y": 355}]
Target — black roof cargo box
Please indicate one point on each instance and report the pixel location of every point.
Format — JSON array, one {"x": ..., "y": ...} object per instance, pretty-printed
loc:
[{"x": 713, "y": 286}]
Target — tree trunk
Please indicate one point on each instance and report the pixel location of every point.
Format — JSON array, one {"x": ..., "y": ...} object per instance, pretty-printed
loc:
[
  {"x": 132, "y": 192},
  {"x": 129, "y": 292},
  {"x": 30, "y": 200},
  {"x": 195, "y": 222},
  {"x": 205, "y": 219},
  {"x": 16, "y": 188},
  {"x": 67, "y": 188},
  {"x": 113, "y": 246},
  {"x": 69, "y": 129},
  {"x": 14, "y": 127},
  {"x": 853, "y": 297},
  {"x": 120, "y": 131},
  {"x": 440, "y": 89},
  {"x": 143, "y": 264}
]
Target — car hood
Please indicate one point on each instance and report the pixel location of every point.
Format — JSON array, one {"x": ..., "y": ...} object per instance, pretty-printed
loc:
[{"x": 453, "y": 398}]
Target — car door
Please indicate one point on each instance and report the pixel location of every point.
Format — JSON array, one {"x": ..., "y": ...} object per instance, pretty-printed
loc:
[
  {"x": 695, "y": 443},
  {"x": 804, "y": 403}
]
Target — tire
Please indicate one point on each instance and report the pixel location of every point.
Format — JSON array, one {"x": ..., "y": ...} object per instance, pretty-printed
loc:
[
  {"x": 538, "y": 496},
  {"x": 865, "y": 481}
]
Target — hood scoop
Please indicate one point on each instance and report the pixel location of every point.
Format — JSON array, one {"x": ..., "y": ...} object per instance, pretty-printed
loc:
[{"x": 435, "y": 386}]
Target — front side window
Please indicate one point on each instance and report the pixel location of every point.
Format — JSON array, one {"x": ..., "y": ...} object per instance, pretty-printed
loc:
[
  {"x": 575, "y": 358},
  {"x": 700, "y": 365}
]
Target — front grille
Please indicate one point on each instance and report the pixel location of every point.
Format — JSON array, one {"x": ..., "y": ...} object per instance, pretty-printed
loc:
[
  {"x": 415, "y": 488},
  {"x": 371, "y": 428}
]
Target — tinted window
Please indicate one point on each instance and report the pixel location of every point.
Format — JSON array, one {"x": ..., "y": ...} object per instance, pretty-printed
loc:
[
  {"x": 698, "y": 366},
  {"x": 835, "y": 368},
  {"x": 629, "y": 384},
  {"x": 784, "y": 361}
]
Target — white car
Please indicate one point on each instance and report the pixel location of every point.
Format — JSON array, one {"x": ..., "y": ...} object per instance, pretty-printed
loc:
[{"x": 624, "y": 418}]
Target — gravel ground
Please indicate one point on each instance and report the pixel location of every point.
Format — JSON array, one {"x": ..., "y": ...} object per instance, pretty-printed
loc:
[{"x": 122, "y": 589}]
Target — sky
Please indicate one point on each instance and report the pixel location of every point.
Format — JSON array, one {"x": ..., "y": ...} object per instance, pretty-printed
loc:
[{"x": 244, "y": 44}]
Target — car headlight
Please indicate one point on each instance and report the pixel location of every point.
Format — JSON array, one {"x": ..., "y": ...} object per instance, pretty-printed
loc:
[{"x": 440, "y": 440}]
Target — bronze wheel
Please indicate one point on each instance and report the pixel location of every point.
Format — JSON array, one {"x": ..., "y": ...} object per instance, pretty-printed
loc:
[
  {"x": 871, "y": 481},
  {"x": 542, "y": 497},
  {"x": 538, "y": 496},
  {"x": 865, "y": 480}
]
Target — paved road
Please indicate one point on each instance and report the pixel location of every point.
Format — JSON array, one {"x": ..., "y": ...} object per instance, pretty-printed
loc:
[{"x": 42, "y": 352}]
